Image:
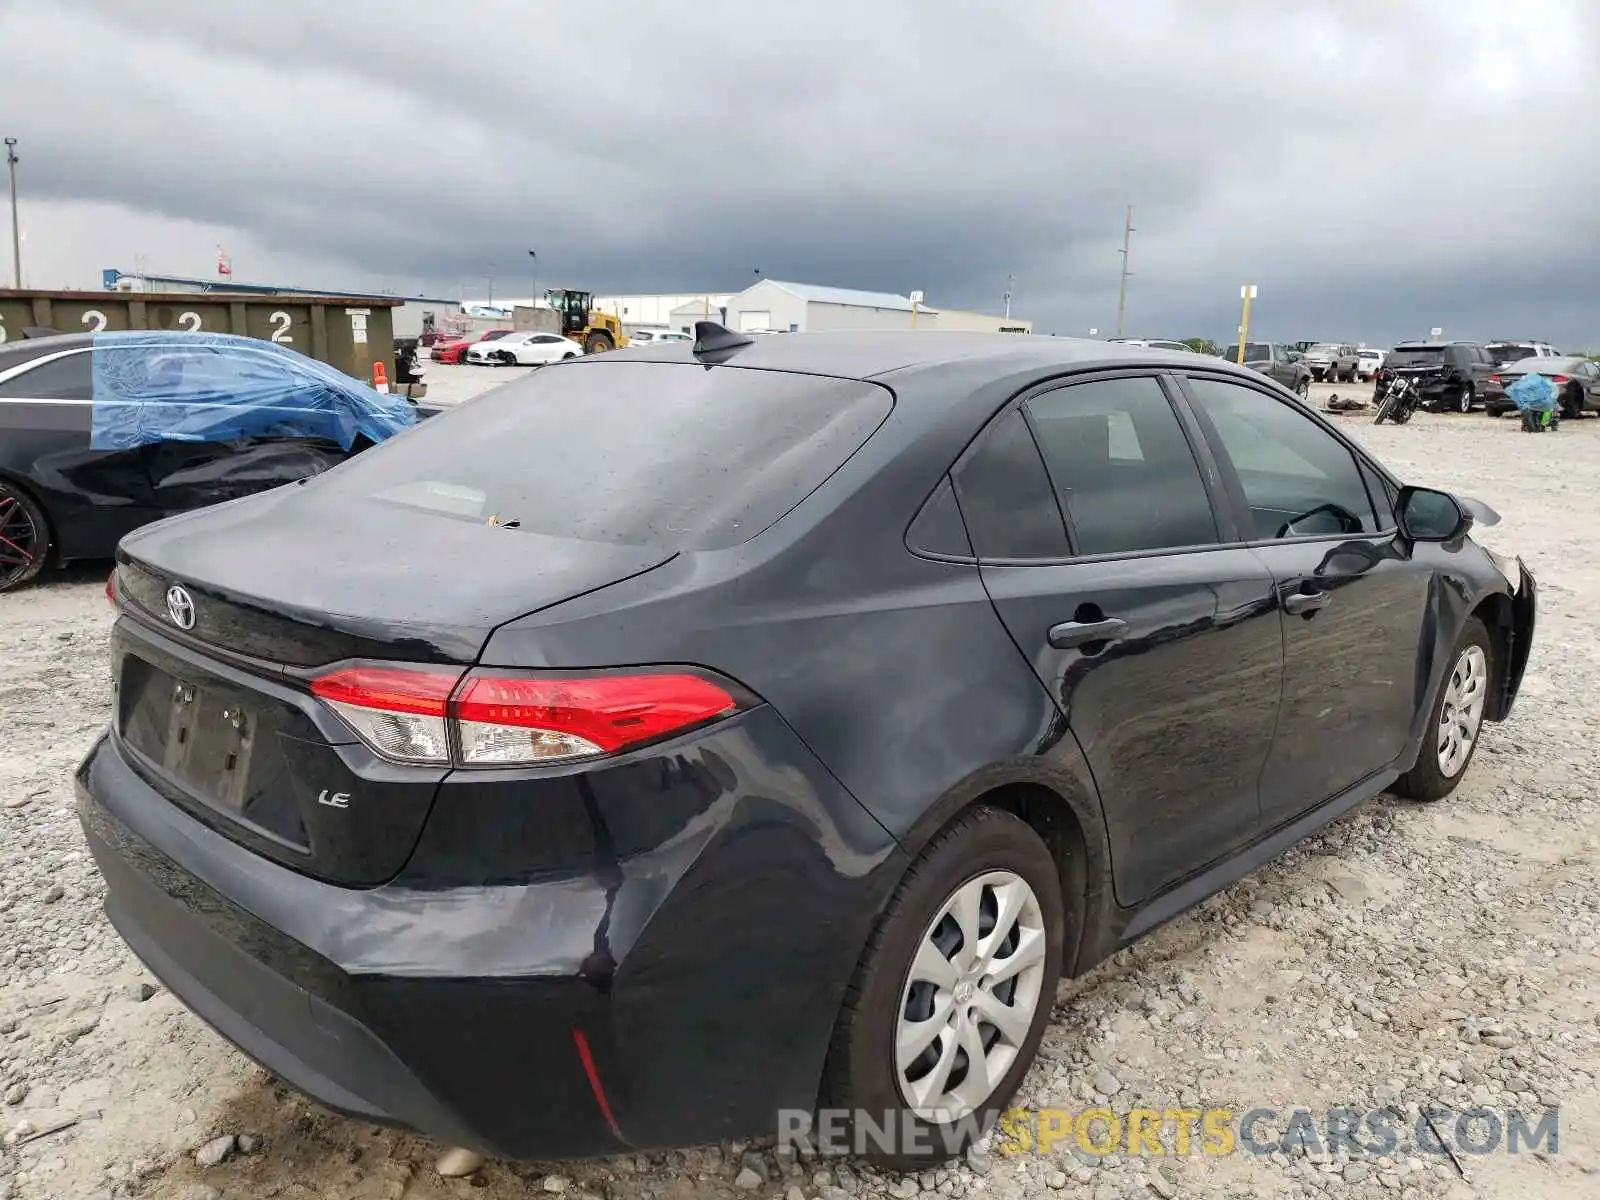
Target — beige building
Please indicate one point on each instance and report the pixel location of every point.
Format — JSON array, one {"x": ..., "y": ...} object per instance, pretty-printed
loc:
[
  {"x": 784, "y": 307},
  {"x": 972, "y": 322},
  {"x": 656, "y": 309}
]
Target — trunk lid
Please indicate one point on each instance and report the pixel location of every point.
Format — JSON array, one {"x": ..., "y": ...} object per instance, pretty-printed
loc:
[
  {"x": 293, "y": 582},
  {"x": 217, "y": 717}
]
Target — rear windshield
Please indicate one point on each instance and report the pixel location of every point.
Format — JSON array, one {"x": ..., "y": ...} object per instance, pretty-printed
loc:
[
  {"x": 1415, "y": 356},
  {"x": 666, "y": 455},
  {"x": 1253, "y": 352},
  {"x": 1511, "y": 351}
]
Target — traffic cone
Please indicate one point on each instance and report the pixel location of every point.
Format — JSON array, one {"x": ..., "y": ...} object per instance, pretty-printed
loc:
[{"x": 380, "y": 378}]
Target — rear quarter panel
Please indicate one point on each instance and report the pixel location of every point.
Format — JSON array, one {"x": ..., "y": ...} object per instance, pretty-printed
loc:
[{"x": 893, "y": 668}]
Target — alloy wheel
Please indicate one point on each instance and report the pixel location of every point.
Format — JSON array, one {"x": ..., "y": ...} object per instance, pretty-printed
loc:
[
  {"x": 1466, "y": 399},
  {"x": 21, "y": 539},
  {"x": 1462, "y": 714},
  {"x": 970, "y": 996}
]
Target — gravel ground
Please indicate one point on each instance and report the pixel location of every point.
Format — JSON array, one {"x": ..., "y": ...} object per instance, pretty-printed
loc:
[
  {"x": 450, "y": 383},
  {"x": 1408, "y": 954}
]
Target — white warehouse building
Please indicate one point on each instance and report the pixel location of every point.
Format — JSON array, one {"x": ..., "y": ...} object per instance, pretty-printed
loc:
[
  {"x": 784, "y": 307},
  {"x": 657, "y": 310}
]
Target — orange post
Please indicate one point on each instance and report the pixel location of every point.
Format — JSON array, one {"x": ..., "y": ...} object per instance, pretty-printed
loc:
[{"x": 380, "y": 378}]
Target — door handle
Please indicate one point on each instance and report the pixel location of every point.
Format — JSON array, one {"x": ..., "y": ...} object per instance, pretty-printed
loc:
[
  {"x": 1080, "y": 633},
  {"x": 1303, "y": 604}
]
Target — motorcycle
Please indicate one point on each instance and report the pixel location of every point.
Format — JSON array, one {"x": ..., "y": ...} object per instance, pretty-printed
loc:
[{"x": 1399, "y": 400}]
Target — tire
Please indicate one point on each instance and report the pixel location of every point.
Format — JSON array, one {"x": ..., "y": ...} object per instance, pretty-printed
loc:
[
  {"x": 1572, "y": 406},
  {"x": 1437, "y": 772},
  {"x": 1384, "y": 408},
  {"x": 982, "y": 848},
  {"x": 1464, "y": 399},
  {"x": 24, "y": 537},
  {"x": 569, "y": 354},
  {"x": 598, "y": 343},
  {"x": 1303, "y": 388}
]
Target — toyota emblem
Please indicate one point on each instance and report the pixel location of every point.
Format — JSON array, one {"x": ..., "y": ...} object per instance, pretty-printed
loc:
[{"x": 180, "y": 607}]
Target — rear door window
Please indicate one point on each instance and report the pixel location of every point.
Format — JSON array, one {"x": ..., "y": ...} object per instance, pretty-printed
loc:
[
  {"x": 666, "y": 455},
  {"x": 67, "y": 378},
  {"x": 1123, "y": 468}
]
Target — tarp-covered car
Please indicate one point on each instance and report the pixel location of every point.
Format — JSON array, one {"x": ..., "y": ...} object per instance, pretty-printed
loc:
[{"x": 101, "y": 433}]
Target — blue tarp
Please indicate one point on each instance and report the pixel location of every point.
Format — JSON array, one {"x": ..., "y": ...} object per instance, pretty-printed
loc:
[
  {"x": 216, "y": 387},
  {"x": 1535, "y": 393}
]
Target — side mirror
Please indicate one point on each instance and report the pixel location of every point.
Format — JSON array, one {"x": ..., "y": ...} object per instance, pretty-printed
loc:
[{"x": 1429, "y": 516}]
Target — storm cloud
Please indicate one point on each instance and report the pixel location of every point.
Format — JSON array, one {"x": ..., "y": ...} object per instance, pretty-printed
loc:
[{"x": 1375, "y": 168}]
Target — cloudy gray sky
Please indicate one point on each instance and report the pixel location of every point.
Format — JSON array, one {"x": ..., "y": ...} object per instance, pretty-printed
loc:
[{"x": 1376, "y": 168}]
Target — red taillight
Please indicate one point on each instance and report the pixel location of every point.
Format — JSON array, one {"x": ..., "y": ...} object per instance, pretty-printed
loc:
[
  {"x": 111, "y": 587},
  {"x": 520, "y": 719},
  {"x": 394, "y": 689},
  {"x": 1494, "y": 379},
  {"x": 398, "y": 711},
  {"x": 419, "y": 714},
  {"x": 1560, "y": 379}
]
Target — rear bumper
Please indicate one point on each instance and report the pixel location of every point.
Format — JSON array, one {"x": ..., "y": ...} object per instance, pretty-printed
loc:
[
  {"x": 678, "y": 998},
  {"x": 1524, "y": 614}
]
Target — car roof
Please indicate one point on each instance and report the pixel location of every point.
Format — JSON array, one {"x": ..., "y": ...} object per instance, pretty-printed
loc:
[
  {"x": 869, "y": 355},
  {"x": 26, "y": 349}
]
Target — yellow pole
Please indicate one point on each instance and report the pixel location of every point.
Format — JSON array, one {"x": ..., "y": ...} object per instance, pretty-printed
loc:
[
  {"x": 1247, "y": 293},
  {"x": 913, "y": 314}
]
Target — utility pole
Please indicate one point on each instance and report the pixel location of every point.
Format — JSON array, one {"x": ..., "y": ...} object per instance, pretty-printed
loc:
[
  {"x": 534, "y": 254},
  {"x": 1247, "y": 293},
  {"x": 16, "y": 223},
  {"x": 1010, "y": 283},
  {"x": 1122, "y": 290}
]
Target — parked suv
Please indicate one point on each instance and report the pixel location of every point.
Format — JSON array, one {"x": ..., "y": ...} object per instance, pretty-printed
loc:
[
  {"x": 1449, "y": 375},
  {"x": 1286, "y": 365},
  {"x": 1505, "y": 353},
  {"x": 1334, "y": 362}
]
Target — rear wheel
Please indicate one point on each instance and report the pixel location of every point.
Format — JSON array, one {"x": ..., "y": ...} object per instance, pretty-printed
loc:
[
  {"x": 953, "y": 991},
  {"x": 24, "y": 537},
  {"x": 1456, "y": 718},
  {"x": 598, "y": 343},
  {"x": 1303, "y": 388},
  {"x": 1464, "y": 400},
  {"x": 1384, "y": 408}
]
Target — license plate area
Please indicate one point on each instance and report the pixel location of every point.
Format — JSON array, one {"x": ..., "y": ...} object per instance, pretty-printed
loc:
[{"x": 200, "y": 736}]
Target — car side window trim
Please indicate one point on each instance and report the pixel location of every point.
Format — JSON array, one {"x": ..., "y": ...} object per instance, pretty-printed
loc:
[
  {"x": 1235, "y": 486},
  {"x": 1212, "y": 477}
]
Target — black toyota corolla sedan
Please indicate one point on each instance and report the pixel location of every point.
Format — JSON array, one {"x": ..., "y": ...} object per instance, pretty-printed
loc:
[{"x": 680, "y": 737}]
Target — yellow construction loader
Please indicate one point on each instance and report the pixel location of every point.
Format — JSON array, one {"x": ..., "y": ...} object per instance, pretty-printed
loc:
[{"x": 596, "y": 332}]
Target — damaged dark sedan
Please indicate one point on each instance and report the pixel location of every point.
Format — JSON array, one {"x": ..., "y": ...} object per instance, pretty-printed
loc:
[
  {"x": 102, "y": 433},
  {"x": 675, "y": 740}
]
